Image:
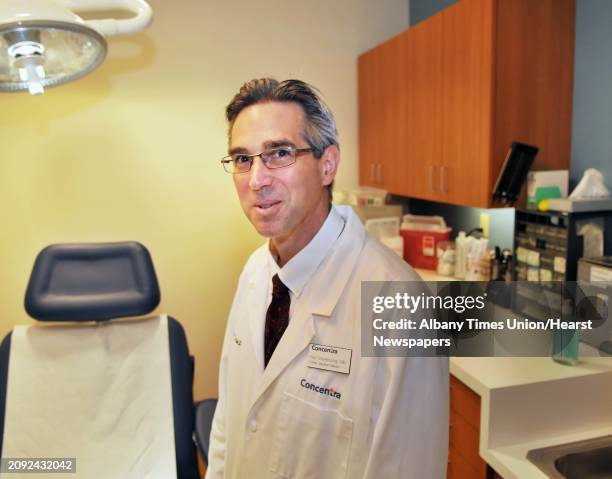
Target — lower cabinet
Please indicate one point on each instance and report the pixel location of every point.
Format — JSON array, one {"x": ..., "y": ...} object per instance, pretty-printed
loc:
[{"x": 464, "y": 461}]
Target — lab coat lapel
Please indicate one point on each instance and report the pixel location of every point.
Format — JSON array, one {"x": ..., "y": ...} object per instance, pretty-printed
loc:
[
  {"x": 337, "y": 271},
  {"x": 296, "y": 338},
  {"x": 257, "y": 301}
]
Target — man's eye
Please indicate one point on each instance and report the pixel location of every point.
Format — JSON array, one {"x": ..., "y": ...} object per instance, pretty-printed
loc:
[
  {"x": 280, "y": 153},
  {"x": 241, "y": 159}
]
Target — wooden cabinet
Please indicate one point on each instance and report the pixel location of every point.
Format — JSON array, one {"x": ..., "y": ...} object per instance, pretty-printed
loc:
[
  {"x": 378, "y": 84},
  {"x": 464, "y": 461},
  {"x": 467, "y": 88},
  {"x": 421, "y": 68},
  {"x": 464, "y": 430},
  {"x": 440, "y": 103}
]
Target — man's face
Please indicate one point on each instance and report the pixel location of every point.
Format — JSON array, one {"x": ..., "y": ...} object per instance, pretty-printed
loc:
[{"x": 279, "y": 202}]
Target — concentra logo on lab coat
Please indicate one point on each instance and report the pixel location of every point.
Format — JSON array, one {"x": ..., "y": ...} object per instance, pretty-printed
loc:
[
  {"x": 323, "y": 349},
  {"x": 326, "y": 391}
]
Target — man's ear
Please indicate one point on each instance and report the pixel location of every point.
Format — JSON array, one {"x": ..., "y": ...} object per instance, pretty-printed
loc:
[{"x": 329, "y": 164}]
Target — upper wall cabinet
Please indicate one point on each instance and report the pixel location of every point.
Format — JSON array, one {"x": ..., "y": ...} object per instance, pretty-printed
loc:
[
  {"x": 440, "y": 104},
  {"x": 378, "y": 86}
]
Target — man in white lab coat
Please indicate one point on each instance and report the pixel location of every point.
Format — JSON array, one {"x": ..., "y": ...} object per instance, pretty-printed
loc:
[{"x": 298, "y": 303}]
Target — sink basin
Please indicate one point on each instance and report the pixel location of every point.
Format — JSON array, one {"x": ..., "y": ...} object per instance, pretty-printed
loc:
[{"x": 590, "y": 459}]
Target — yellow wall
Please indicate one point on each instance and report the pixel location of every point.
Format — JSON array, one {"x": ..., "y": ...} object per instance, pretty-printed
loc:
[{"x": 131, "y": 152}]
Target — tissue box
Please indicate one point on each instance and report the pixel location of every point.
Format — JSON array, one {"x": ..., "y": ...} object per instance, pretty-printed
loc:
[{"x": 546, "y": 184}]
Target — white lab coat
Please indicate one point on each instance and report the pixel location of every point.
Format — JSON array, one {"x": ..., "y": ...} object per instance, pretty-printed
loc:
[{"x": 392, "y": 418}]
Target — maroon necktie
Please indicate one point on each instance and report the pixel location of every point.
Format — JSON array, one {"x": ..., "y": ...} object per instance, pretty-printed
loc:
[{"x": 277, "y": 317}]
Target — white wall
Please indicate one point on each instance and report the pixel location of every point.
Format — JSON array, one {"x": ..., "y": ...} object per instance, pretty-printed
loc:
[{"x": 131, "y": 152}]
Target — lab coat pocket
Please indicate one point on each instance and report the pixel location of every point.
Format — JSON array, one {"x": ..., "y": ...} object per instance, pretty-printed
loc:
[{"x": 310, "y": 441}]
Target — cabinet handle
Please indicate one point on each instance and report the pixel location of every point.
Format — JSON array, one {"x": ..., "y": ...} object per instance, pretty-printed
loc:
[
  {"x": 443, "y": 179},
  {"x": 432, "y": 169},
  {"x": 379, "y": 173},
  {"x": 372, "y": 173}
]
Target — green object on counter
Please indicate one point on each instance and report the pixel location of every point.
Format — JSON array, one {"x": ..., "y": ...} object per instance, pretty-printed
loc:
[
  {"x": 565, "y": 346},
  {"x": 543, "y": 193}
]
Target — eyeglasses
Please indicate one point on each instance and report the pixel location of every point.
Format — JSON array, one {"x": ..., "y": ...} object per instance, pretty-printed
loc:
[{"x": 272, "y": 158}]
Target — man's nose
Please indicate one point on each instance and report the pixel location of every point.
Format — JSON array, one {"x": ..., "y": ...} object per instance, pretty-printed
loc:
[{"x": 259, "y": 174}]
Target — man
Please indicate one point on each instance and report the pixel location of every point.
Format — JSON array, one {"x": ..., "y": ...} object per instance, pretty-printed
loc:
[{"x": 298, "y": 303}]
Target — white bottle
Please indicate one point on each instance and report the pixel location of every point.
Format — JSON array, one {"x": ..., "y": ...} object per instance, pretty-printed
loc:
[
  {"x": 476, "y": 251},
  {"x": 461, "y": 255}
]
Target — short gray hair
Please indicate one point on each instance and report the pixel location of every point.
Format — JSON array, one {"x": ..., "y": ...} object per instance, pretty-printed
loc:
[{"x": 319, "y": 125}]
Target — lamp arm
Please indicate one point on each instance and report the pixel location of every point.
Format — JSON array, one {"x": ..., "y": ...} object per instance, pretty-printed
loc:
[{"x": 143, "y": 15}]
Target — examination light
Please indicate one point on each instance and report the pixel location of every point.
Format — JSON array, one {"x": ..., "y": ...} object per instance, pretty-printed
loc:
[{"x": 43, "y": 43}]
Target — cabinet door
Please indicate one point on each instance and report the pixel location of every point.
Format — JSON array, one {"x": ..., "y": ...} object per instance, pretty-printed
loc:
[
  {"x": 467, "y": 97},
  {"x": 420, "y": 102},
  {"x": 378, "y": 112},
  {"x": 464, "y": 460},
  {"x": 368, "y": 139},
  {"x": 534, "y": 75}
]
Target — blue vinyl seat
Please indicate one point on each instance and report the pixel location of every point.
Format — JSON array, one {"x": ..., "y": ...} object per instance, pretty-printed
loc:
[
  {"x": 205, "y": 410},
  {"x": 100, "y": 282}
]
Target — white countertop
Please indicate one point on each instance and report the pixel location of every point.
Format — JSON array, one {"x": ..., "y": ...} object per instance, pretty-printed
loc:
[
  {"x": 529, "y": 403},
  {"x": 484, "y": 374}
]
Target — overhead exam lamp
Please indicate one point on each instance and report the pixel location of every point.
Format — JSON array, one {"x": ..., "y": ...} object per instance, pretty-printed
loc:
[{"x": 43, "y": 43}]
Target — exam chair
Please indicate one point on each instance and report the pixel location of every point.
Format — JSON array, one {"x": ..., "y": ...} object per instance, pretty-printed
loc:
[
  {"x": 79, "y": 284},
  {"x": 205, "y": 411}
]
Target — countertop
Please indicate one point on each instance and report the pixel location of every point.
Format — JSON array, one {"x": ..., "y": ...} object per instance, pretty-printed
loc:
[{"x": 529, "y": 403}]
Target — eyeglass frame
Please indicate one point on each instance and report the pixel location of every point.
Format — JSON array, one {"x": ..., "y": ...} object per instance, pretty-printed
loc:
[{"x": 296, "y": 152}]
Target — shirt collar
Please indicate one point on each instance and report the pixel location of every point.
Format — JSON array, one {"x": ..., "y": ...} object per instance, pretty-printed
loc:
[{"x": 299, "y": 269}]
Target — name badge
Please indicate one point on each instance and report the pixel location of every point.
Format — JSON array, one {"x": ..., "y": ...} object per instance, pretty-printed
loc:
[{"x": 329, "y": 358}]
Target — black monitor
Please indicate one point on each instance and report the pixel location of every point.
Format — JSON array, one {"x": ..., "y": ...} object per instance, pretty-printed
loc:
[{"x": 513, "y": 174}]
